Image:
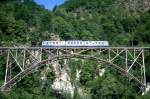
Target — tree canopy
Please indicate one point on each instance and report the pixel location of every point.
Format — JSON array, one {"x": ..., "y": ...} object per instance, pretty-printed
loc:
[{"x": 122, "y": 23}]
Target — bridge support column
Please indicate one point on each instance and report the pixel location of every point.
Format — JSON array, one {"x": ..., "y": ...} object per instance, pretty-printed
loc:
[{"x": 143, "y": 68}]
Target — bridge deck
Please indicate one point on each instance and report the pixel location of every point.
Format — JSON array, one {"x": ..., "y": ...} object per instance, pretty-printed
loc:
[{"x": 34, "y": 48}]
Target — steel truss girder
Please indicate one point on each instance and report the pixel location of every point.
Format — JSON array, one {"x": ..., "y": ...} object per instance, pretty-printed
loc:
[{"x": 26, "y": 60}]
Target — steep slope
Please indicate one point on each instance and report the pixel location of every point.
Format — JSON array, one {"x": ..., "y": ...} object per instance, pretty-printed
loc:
[
  {"x": 102, "y": 20},
  {"x": 21, "y": 21},
  {"x": 121, "y": 22}
]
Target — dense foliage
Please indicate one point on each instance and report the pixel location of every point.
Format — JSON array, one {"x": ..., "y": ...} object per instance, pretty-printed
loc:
[{"x": 23, "y": 22}]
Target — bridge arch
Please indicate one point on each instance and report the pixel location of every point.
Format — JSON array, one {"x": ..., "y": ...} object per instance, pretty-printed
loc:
[{"x": 29, "y": 70}]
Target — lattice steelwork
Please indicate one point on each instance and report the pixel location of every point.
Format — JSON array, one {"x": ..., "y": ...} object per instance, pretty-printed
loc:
[{"x": 19, "y": 62}]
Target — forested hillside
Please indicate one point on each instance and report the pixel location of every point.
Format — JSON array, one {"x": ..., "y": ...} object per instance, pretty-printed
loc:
[{"x": 122, "y": 23}]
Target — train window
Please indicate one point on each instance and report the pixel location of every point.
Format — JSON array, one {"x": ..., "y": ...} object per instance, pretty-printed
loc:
[
  {"x": 71, "y": 42},
  {"x": 56, "y": 42},
  {"x": 77, "y": 42},
  {"x": 53, "y": 42},
  {"x": 87, "y": 42},
  {"x": 80, "y": 42}
]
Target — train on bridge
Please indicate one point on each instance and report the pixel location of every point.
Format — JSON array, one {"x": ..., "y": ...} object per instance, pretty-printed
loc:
[{"x": 75, "y": 44}]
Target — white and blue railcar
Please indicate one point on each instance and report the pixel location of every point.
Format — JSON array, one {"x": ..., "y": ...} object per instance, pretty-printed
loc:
[
  {"x": 75, "y": 44},
  {"x": 53, "y": 43},
  {"x": 97, "y": 43}
]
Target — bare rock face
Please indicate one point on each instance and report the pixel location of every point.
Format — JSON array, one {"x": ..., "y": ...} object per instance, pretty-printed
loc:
[
  {"x": 101, "y": 72},
  {"x": 54, "y": 37},
  {"x": 35, "y": 57},
  {"x": 147, "y": 89},
  {"x": 134, "y": 6},
  {"x": 78, "y": 71},
  {"x": 62, "y": 83}
]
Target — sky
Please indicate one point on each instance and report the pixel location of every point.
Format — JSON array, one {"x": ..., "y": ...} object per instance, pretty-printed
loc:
[{"x": 49, "y": 4}]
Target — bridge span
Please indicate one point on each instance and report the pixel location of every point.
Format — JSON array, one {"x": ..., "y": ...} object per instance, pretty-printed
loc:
[{"x": 127, "y": 61}]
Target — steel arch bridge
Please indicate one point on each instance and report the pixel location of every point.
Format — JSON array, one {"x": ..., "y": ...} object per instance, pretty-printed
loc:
[{"x": 126, "y": 60}]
